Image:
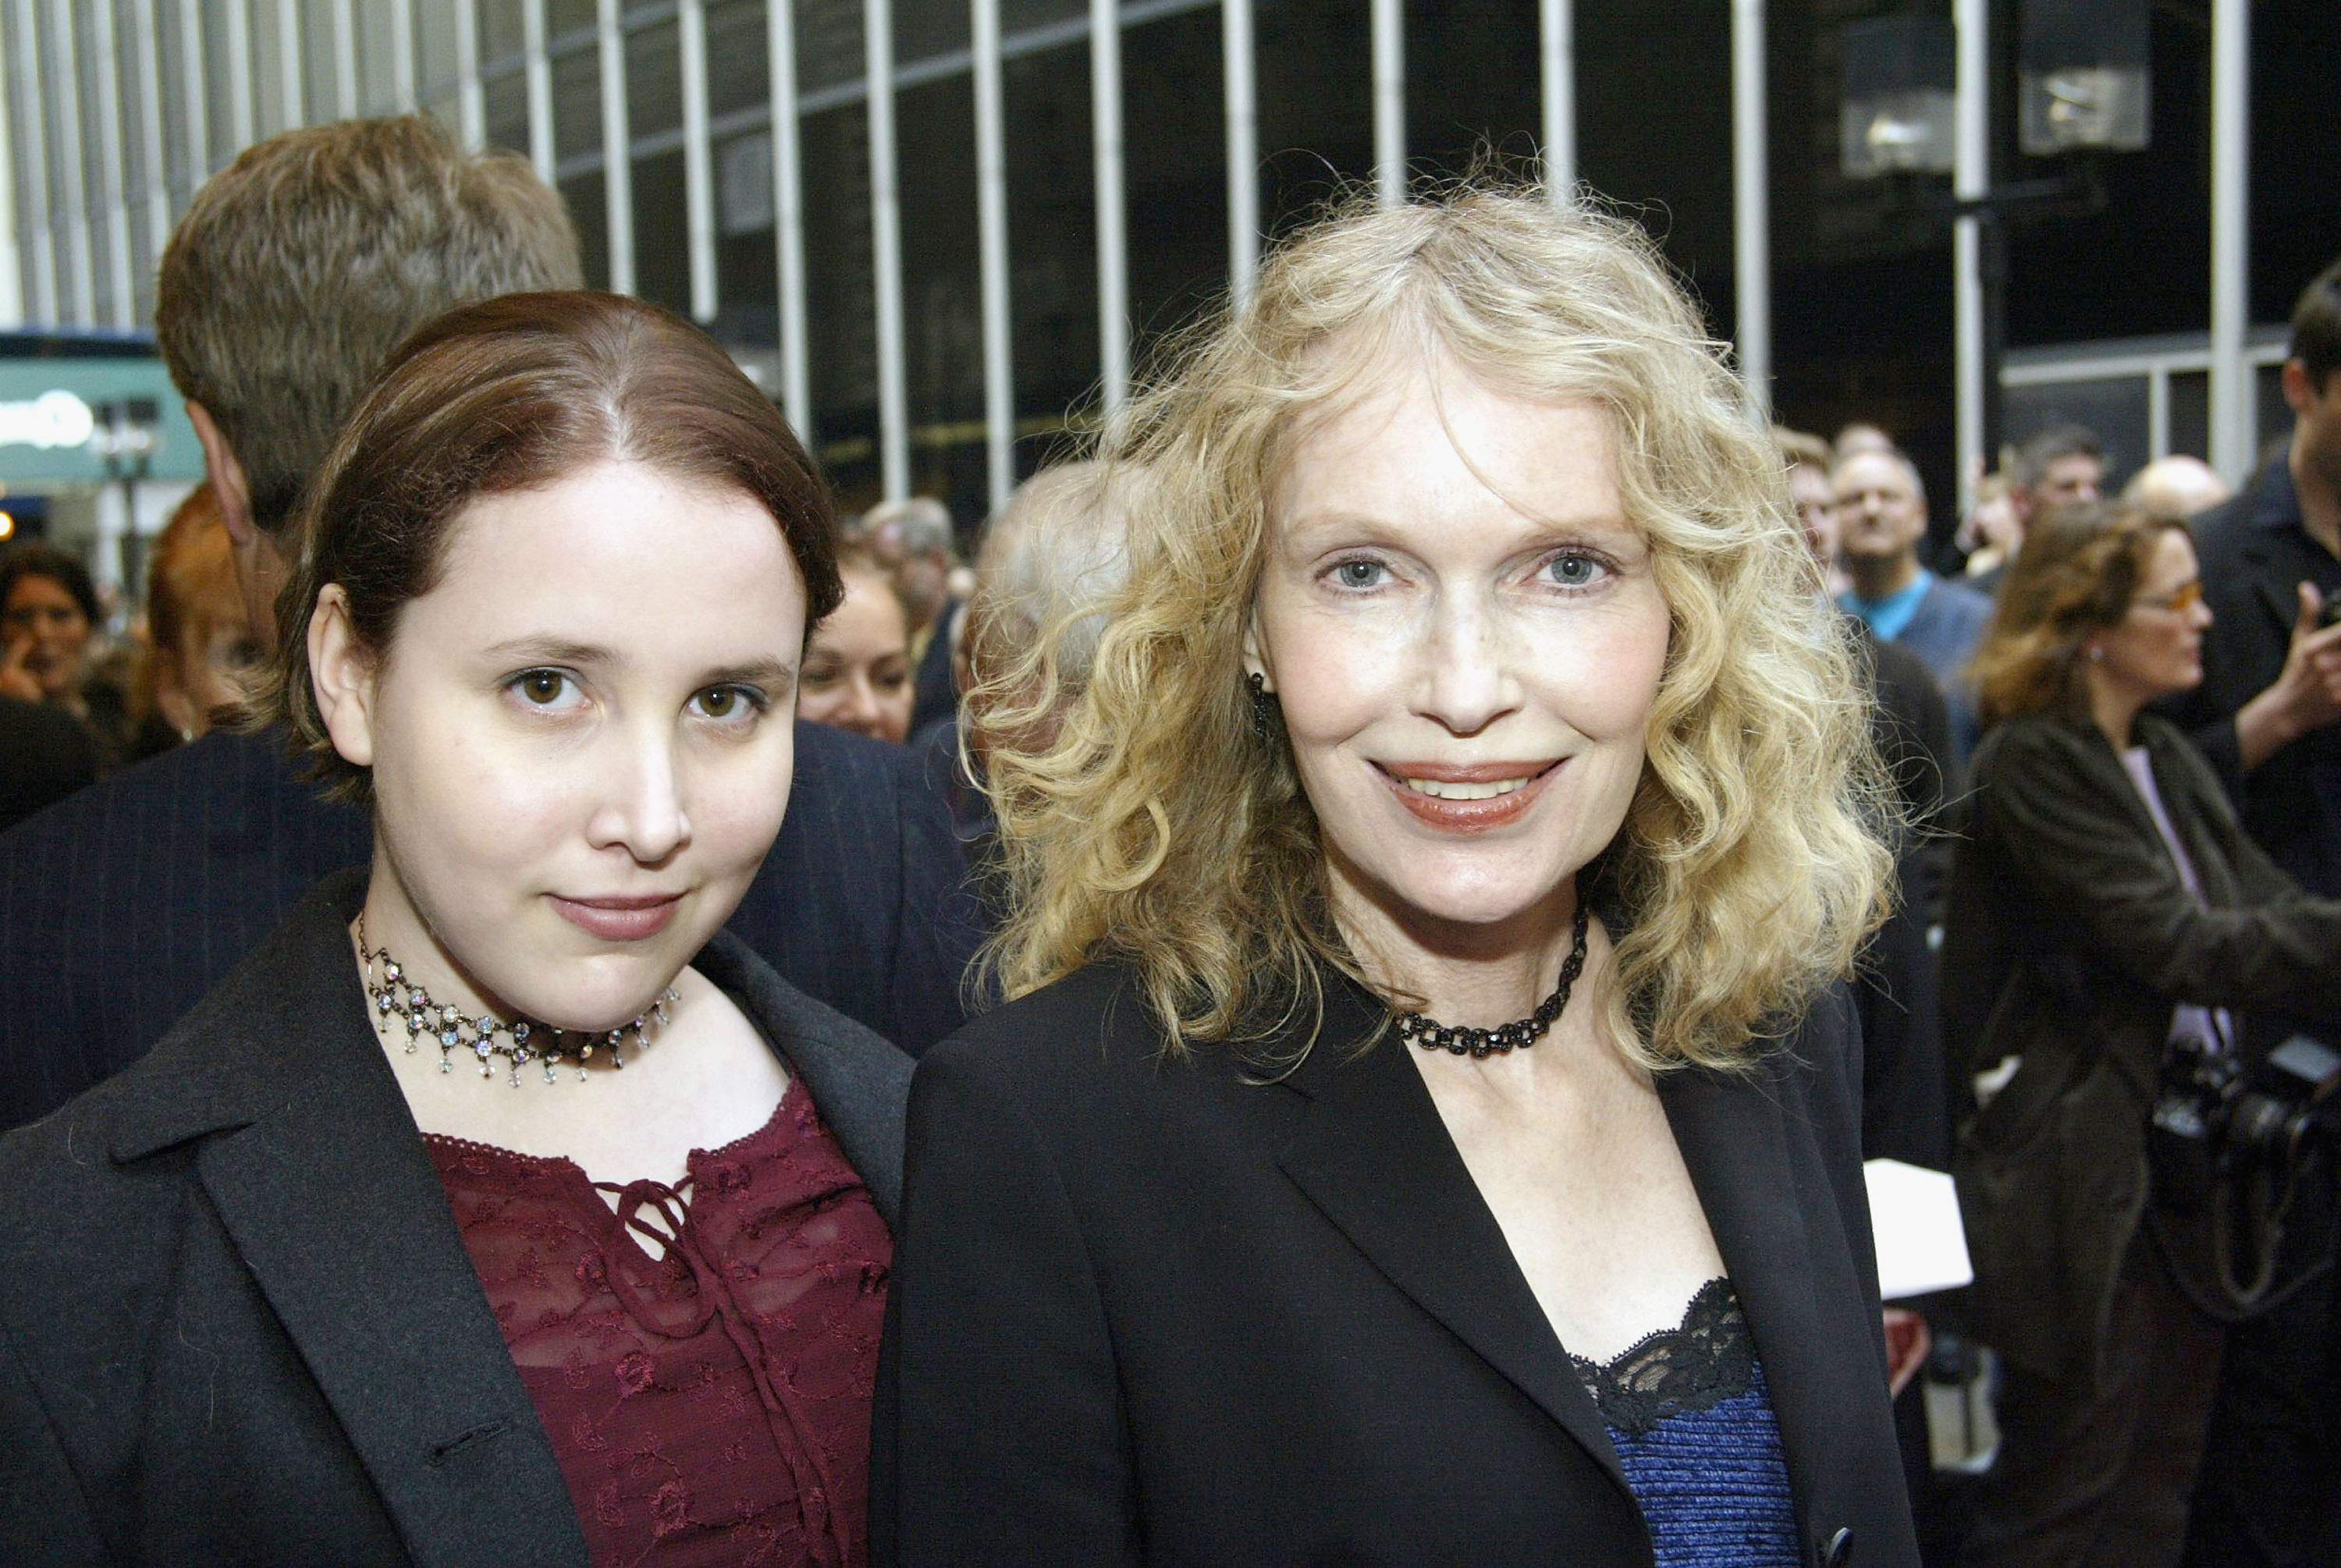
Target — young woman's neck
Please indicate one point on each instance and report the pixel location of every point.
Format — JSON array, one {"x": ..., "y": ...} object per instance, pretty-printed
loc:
[{"x": 2113, "y": 707}]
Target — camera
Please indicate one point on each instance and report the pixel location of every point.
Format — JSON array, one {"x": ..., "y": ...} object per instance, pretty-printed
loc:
[
  {"x": 2213, "y": 1119},
  {"x": 2234, "y": 1143}
]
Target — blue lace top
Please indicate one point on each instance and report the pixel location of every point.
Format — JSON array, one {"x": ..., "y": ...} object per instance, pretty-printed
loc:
[{"x": 1691, "y": 1421}]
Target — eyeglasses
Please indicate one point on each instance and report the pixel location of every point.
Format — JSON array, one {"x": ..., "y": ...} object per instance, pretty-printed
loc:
[{"x": 2183, "y": 598}]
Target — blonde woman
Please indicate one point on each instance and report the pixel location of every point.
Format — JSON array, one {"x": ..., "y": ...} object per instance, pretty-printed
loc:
[{"x": 1423, "y": 1129}]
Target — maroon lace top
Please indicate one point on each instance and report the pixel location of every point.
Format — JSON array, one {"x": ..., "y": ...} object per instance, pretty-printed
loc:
[{"x": 712, "y": 1405}]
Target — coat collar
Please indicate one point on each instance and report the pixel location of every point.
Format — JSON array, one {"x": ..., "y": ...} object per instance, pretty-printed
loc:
[
  {"x": 313, "y": 1162},
  {"x": 1373, "y": 1154}
]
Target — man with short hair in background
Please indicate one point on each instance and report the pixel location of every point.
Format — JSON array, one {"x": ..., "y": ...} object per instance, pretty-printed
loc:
[
  {"x": 912, "y": 538},
  {"x": 294, "y": 274},
  {"x": 1881, "y": 519}
]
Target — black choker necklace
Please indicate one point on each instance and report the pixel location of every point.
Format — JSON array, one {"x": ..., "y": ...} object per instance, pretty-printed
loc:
[
  {"x": 1433, "y": 1036},
  {"x": 396, "y": 995}
]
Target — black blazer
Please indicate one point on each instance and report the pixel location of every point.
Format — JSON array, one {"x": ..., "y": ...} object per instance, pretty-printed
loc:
[
  {"x": 2255, "y": 555},
  {"x": 122, "y": 906},
  {"x": 237, "y": 1324},
  {"x": 44, "y": 756},
  {"x": 1147, "y": 1311}
]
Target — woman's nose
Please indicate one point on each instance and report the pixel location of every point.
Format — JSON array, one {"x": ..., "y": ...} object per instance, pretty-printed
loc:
[{"x": 642, "y": 809}]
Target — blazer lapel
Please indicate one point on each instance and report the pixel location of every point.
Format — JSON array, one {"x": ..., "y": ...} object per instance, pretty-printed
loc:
[
  {"x": 1736, "y": 1141},
  {"x": 1374, "y": 1156},
  {"x": 332, "y": 1203}
]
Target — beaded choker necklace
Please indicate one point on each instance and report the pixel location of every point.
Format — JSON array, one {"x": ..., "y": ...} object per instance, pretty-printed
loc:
[
  {"x": 1433, "y": 1036},
  {"x": 520, "y": 1042}
]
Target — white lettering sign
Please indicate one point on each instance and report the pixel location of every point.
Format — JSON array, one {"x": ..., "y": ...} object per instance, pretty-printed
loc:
[{"x": 54, "y": 419}]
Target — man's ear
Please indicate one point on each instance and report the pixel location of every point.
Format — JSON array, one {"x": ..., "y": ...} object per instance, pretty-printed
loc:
[
  {"x": 225, "y": 469},
  {"x": 342, "y": 672}
]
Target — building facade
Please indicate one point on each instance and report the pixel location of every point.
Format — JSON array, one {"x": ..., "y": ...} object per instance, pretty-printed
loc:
[{"x": 946, "y": 234}]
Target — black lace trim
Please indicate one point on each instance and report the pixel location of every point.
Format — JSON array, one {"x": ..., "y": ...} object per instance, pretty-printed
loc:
[{"x": 1709, "y": 1359}]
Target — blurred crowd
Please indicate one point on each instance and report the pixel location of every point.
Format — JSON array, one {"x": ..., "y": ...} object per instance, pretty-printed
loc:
[{"x": 2107, "y": 704}]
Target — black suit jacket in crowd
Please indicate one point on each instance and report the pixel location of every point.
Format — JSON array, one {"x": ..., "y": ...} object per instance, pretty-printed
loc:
[
  {"x": 2255, "y": 555},
  {"x": 122, "y": 906},
  {"x": 44, "y": 756},
  {"x": 1147, "y": 1311},
  {"x": 237, "y": 1324}
]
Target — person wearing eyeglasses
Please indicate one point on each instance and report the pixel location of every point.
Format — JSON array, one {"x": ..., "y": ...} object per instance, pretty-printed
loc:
[{"x": 2108, "y": 916}]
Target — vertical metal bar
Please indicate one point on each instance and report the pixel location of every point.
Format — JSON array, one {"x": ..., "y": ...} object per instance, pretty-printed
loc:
[
  {"x": 113, "y": 197},
  {"x": 152, "y": 151},
  {"x": 1239, "y": 70},
  {"x": 1113, "y": 224},
  {"x": 886, "y": 248},
  {"x": 1970, "y": 179},
  {"x": 992, "y": 246},
  {"x": 2233, "y": 417},
  {"x": 194, "y": 93},
  {"x": 12, "y": 269},
  {"x": 402, "y": 53},
  {"x": 471, "y": 102},
  {"x": 1389, "y": 100},
  {"x": 345, "y": 59},
  {"x": 617, "y": 151},
  {"x": 540, "y": 90},
  {"x": 34, "y": 162},
  {"x": 65, "y": 71},
  {"x": 1557, "y": 50},
  {"x": 1751, "y": 205},
  {"x": 240, "y": 107},
  {"x": 2158, "y": 411},
  {"x": 290, "y": 87},
  {"x": 788, "y": 220},
  {"x": 698, "y": 158}
]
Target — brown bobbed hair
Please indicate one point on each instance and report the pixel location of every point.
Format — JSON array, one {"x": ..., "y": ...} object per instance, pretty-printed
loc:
[
  {"x": 190, "y": 585},
  {"x": 2076, "y": 575},
  {"x": 299, "y": 266},
  {"x": 512, "y": 394}
]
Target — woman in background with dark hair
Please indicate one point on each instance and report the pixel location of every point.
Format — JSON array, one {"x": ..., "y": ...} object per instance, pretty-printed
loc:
[
  {"x": 555, "y": 582},
  {"x": 49, "y": 617},
  {"x": 2106, "y": 914}
]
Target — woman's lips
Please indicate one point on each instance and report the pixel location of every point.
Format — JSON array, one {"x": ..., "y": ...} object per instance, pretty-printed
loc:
[
  {"x": 619, "y": 919},
  {"x": 1466, "y": 799}
]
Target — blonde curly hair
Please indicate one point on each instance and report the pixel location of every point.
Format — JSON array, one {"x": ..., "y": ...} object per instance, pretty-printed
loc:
[{"x": 1161, "y": 829}]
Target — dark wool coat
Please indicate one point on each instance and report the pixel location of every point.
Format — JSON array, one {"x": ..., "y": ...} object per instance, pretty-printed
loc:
[
  {"x": 237, "y": 1324},
  {"x": 2069, "y": 939}
]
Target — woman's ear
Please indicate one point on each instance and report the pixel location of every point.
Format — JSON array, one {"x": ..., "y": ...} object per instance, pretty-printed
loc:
[
  {"x": 342, "y": 675},
  {"x": 171, "y": 698},
  {"x": 1255, "y": 667}
]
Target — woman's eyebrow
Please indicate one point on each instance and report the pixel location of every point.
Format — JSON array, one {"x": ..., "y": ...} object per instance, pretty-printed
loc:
[{"x": 555, "y": 650}]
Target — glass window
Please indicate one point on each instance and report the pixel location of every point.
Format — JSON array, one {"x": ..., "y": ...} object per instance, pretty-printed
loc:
[
  {"x": 738, "y": 73},
  {"x": 1174, "y": 168},
  {"x": 654, "y": 81},
  {"x": 925, "y": 28},
  {"x": 588, "y": 200},
  {"x": 377, "y": 45},
  {"x": 504, "y": 30},
  {"x": 661, "y": 241},
  {"x": 942, "y": 295},
  {"x": 505, "y": 98},
  {"x": 747, "y": 279},
  {"x": 1314, "y": 84},
  {"x": 829, "y": 43},
  {"x": 840, "y": 299},
  {"x": 2113, "y": 408},
  {"x": 1051, "y": 243},
  {"x": 565, "y": 16},
  {"x": 576, "y": 104},
  {"x": 2190, "y": 414}
]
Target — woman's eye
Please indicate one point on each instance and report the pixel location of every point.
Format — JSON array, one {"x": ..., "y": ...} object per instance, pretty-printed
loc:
[
  {"x": 548, "y": 689},
  {"x": 731, "y": 703},
  {"x": 1359, "y": 573},
  {"x": 1572, "y": 570}
]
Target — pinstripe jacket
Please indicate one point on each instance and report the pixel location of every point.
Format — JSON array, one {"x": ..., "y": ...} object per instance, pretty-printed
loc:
[{"x": 123, "y": 905}]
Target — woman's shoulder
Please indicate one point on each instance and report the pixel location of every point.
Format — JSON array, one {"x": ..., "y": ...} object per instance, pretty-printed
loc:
[{"x": 1098, "y": 1015}]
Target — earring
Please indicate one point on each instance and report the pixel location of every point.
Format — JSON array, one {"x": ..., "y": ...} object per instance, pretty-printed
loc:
[
  {"x": 1265, "y": 713},
  {"x": 2096, "y": 654}
]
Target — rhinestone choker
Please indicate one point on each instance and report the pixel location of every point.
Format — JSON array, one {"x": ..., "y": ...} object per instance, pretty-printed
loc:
[
  {"x": 1433, "y": 1036},
  {"x": 520, "y": 1042}
]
